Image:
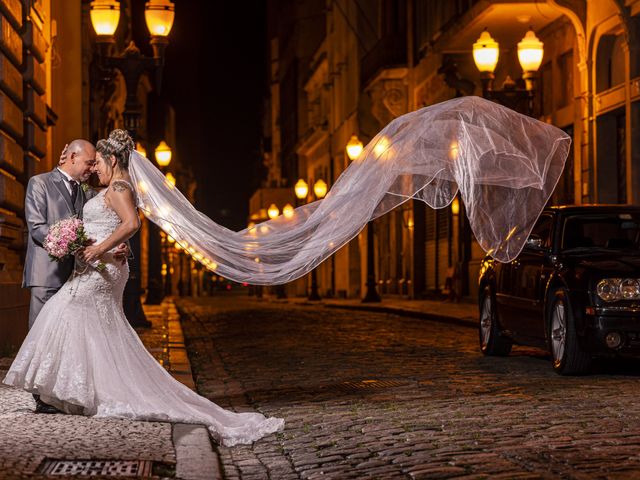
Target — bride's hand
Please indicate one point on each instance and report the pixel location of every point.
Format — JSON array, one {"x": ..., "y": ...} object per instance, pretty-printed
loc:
[{"x": 91, "y": 253}]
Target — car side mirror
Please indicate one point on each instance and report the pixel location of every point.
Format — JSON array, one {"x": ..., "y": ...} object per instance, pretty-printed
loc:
[{"x": 534, "y": 241}]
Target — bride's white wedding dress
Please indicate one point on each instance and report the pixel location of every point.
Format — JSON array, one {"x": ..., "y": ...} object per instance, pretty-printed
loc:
[{"x": 83, "y": 357}]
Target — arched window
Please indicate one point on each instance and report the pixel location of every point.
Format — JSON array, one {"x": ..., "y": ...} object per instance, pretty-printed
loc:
[{"x": 609, "y": 62}]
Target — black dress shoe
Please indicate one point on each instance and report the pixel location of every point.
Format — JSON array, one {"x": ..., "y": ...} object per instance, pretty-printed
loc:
[{"x": 42, "y": 407}]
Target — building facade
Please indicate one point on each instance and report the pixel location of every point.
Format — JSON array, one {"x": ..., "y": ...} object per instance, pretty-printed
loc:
[{"x": 378, "y": 59}]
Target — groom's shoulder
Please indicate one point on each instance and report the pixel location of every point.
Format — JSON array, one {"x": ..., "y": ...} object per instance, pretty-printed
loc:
[{"x": 41, "y": 178}]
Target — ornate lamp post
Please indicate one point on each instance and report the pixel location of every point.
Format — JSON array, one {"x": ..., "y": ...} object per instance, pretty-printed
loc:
[
  {"x": 319, "y": 190},
  {"x": 486, "y": 53},
  {"x": 105, "y": 15},
  {"x": 157, "y": 242},
  {"x": 354, "y": 149},
  {"x": 301, "y": 189}
]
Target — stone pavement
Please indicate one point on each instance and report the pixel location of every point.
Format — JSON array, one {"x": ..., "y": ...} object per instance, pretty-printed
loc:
[
  {"x": 377, "y": 395},
  {"x": 28, "y": 440}
]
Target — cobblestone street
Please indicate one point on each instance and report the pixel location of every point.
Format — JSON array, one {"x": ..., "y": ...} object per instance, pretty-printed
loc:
[{"x": 382, "y": 396}]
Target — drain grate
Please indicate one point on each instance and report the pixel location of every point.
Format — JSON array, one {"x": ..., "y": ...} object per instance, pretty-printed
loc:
[
  {"x": 364, "y": 385},
  {"x": 91, "y": 468}
]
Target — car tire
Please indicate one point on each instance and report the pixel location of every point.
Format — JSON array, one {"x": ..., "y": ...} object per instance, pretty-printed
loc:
[
  {"x": 492, "y": 342},
  {"x": 567, "y": 356}
]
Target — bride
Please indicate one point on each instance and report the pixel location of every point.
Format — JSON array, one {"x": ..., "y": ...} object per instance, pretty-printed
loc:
[{"x": 81, "y": 355}]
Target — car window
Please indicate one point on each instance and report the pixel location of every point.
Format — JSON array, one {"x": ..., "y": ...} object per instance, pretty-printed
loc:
[
  {"x": 542, "y": 229},
  {"x": 618, "y": 231}
]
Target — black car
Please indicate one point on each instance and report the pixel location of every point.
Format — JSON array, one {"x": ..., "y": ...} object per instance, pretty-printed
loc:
[{"x": 574, "y": 289}]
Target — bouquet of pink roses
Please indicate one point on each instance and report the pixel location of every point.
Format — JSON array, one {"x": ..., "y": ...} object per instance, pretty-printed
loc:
[{"x": 65, "y": 237}]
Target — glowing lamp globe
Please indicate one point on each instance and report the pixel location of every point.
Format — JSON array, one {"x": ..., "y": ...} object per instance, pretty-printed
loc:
[
  {"x": 486, "y": 52},
  {"x": 273, "y": 211},
  {"x": 530, "y": 52},
  {"x": 140, "y": 149},
  {"x": 354, "y": 147},
  {"x": 302, "y": 189},
  {"x": 287, "y": 210},
  {"x": 159, "y": 15},
  {"x": 163, "y": 154},
  {"x": 105, "y": 15},
  {"x": 320, "y": 188}
]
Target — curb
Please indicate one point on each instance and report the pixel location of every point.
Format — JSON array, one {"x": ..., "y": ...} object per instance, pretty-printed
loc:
[{"x": 196, "y": 457}]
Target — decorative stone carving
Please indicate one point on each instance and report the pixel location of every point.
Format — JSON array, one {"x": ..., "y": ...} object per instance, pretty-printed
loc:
[{"x": 388, "y": 93}]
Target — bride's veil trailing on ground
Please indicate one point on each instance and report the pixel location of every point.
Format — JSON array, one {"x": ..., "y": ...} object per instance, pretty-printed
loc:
[{"x": 504, "y": 164}]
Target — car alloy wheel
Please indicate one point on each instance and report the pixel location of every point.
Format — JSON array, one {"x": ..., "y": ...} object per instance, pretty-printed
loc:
[
  {"x": 486, "y": 321},
  {"x": 558, "y": 332},
  {"x": 567, "y": 354},
  {"x": 492, "y": 342}
]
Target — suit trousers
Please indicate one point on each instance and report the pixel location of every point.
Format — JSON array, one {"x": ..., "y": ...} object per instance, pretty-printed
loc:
[{"x": 39, "y": 296}]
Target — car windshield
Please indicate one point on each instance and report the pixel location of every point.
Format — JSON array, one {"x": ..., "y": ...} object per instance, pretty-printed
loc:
[{"x": 616, "y": 231}]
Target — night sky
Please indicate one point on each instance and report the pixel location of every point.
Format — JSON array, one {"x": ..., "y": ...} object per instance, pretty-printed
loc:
[{"x": 216, "y": 78}]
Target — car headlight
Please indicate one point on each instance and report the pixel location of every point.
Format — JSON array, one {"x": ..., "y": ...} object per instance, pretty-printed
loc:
[
  {"x": 614, "y": 289},
  {"x": 630, "y": 289}
]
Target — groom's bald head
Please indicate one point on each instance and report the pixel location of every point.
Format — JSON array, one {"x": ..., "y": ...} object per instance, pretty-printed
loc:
[
  {"x": 78, "y": 159},
  {"x": 80, "y": 145}
]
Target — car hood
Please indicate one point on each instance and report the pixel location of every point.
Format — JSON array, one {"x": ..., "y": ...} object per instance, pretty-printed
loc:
[{"x": 606, "y": 262}]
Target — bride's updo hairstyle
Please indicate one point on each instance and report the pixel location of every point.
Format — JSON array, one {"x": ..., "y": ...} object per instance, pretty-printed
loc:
[{"x": 119, "y": 144}]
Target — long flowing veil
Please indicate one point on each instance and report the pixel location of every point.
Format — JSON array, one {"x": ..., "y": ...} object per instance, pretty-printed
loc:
[{"x": 504, "y": 164}]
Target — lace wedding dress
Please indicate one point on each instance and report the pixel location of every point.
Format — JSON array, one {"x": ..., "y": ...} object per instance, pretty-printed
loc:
[{"x": 83, "y": 357}]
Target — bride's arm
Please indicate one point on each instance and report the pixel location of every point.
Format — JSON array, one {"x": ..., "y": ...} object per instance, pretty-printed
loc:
[{"x": 121, "y": 200}]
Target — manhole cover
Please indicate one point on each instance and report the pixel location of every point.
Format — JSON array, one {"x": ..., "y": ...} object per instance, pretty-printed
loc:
[{"x": 90, "y": 468}]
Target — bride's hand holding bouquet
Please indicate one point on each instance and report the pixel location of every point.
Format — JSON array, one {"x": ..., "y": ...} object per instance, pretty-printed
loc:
[{"x": 68, "y": 237}]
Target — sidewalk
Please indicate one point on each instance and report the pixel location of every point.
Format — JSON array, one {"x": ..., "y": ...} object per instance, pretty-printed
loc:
[
  {"x": 32, "y": 445},
  {"x": 464, "y": 313}
]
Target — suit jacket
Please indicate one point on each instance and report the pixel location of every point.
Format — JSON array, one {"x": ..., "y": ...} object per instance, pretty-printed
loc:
[{"x": 48, "y": 201}]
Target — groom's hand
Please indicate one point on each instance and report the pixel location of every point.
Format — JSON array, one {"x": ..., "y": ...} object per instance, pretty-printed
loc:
[{"x": 121, "y": 253}]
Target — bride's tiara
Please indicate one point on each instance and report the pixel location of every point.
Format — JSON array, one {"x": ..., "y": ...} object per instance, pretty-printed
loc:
[{"x": 116, "y": 144}]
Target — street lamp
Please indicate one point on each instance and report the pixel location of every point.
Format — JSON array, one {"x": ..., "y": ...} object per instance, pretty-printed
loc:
[
  {"x": 141, "y": 150},
  {"x": 105, "y": 16},
  {"x": 171, "y": 180},
  {"x": 530, "y": 52},
  {"x": 288, "y": 211},
  {"x": 302, "y": 190},
  {"x": 163, "y": 154},
  {"x": 354, "y": 149},
  {"x": 320, "y": 190},
  {"x": 155, "y": 292},
  {"x": 273, "y": 211}
]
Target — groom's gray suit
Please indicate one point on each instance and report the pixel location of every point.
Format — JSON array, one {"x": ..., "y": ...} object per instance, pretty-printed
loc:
[{"x": 47, "y": 201}]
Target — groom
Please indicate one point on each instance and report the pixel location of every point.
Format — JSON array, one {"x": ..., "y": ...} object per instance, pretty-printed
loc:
[{"x": 51, "y": 197}]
